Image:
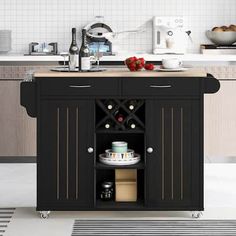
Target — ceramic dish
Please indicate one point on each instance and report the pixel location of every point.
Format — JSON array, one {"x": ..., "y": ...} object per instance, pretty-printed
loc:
[
  {"x": 221, "y": 38},
  {"x": 119, "y": 161},
  {"x": 173, "y": 70},
  {"x": 111, "y": 154},
  {"x": 66, "y": 69}
]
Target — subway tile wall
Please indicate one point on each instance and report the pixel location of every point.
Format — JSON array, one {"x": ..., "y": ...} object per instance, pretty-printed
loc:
[{"x": 52, "y": 20}]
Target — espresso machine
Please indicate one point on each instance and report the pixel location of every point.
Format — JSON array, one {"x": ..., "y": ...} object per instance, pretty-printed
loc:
[
  {"x": 95, "y": 36},
  {"x": 169, "y": 36}
]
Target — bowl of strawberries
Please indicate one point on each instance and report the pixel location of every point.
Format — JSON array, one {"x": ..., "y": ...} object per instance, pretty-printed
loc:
[{"x": 137, "y": 64}]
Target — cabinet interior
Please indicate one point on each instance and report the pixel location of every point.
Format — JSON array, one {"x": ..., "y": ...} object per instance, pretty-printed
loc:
[{"x": 120, "y": 132}]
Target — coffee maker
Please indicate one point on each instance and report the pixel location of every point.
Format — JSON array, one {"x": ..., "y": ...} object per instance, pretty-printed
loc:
[{"x": 169, "y": 36}]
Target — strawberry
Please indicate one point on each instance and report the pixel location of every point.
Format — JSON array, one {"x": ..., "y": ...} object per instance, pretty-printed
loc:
[
  {"x": 132, "y": 66},
  {"x": 130, "y": 60},
  {"x": 139, "y": 64},
  {"x": 142, "y": 61},
  {"x": 149, "y": 66}
]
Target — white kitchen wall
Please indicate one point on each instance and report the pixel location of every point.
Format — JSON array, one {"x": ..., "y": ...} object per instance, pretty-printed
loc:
[{"x": 52, "y": 20}]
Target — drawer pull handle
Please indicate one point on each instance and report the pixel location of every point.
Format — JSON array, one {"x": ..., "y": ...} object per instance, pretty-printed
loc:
[
  {"x": 160, "y": 86},
  {"x": 80, "y": 86}
]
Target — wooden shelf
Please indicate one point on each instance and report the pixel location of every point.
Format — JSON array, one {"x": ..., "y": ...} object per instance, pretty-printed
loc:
[
  {"x": 139, "y": 204},
  {"x": 139, "y": 165}
]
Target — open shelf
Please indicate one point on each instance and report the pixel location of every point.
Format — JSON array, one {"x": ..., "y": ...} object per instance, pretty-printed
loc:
[
  {"x": 119, "y": 205},
  {"x": 104, "y": 174},
  {"x": 133, "y": 187},
  {"x": 139, "y": 165},
  {"x": 136, "y": 141}
]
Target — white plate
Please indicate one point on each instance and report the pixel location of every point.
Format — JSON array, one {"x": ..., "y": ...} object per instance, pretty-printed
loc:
[
  {"x": 119, "y": 161},
  {"x": 173, "y": 70}
]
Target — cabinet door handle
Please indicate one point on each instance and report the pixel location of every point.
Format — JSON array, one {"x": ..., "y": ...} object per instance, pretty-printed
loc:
[
  {"x": 90, "y": 150},
  {"x": 80, "y": 86},
  {"x": 160, "y": 86},
  {"x": 149, "y": 150}
]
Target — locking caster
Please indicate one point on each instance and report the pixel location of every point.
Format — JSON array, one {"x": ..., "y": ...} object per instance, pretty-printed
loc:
[
  {"x": 197, "y": 214},
  {"x": 44, "y": 214}
]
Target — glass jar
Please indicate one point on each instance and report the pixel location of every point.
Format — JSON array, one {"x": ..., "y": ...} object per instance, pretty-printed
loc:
[{"x": 107, "y": 191}]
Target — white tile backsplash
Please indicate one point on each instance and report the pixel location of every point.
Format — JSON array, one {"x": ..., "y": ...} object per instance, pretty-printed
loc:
[{"x": 52, "y": 20}]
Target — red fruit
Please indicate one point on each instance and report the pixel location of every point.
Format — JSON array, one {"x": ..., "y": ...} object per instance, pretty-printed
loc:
[
  {"x": 132, "y": 66},
  {"x": 130, "y": 60},
  {"x": 149, "y": 66},
  {"x": 142, "y": 61},
  {"x": 139, "y": 64}
]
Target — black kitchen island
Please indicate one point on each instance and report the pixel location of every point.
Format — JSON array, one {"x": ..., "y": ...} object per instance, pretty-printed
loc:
[{"x": 71, "y": 111}]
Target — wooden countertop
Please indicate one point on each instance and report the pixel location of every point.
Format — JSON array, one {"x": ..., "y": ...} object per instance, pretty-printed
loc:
[{"x": 192, "y": 72}]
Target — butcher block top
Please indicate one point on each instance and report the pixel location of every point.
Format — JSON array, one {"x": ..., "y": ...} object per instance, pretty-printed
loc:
[{"x": 192, "y": 72}]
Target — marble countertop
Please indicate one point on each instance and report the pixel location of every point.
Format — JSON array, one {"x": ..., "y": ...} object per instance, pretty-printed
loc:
[{"x": 122, "y": 57}]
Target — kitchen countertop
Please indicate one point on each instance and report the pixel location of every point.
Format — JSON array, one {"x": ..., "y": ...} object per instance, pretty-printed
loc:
[
  {"x": 193, "y": 72},
  {"x": 122, "y": 57}
]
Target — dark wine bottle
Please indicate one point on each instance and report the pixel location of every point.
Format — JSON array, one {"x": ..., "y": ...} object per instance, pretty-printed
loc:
[
  {"x": 119, "y": 116},
  {"x": 131, "y": 123},
  {"x": 132, "y": 104},
  {"x": 73, "y": 52},
  {"x": 84, "y": 55},
  {"x": 109, "y": 104}
]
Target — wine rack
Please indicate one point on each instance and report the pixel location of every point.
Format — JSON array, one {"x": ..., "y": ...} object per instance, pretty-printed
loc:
[{"x": 116, "y": 115}]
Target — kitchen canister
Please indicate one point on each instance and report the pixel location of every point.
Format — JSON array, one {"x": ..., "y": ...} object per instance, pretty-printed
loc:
[
  {"x": 5, "y": 41},
  {"x": 119, "y": 147}
]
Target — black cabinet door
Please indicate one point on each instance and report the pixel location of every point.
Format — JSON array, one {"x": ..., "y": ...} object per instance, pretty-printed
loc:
[
  {"x": 65, "y": 166},
  {"x": 174, "y": 168}
]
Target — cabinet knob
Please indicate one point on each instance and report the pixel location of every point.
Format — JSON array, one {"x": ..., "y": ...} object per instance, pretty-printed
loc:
[
  {"x": 90, "y": 150},
  {"x": 150, "y": 150}
]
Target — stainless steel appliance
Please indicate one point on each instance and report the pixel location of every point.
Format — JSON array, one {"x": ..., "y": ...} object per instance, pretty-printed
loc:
[
  {"x": 96, "y": 39},
  {"x": 169, "y": 36},
  {"x": 5, "y": 41},
  {"x": 43, "y": 49}
]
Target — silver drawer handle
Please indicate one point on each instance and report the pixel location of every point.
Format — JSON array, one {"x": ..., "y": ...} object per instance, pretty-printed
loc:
[
  {"x": 160, "y": 86},
  {"x": 80, "y": 86}
]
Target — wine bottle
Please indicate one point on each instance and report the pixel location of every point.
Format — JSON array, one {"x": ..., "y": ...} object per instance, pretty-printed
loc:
[
  {"x": 84, "y": 55},
  {"x": 132, "y": 104},
  {"x": 73, "y": 52},
  {"x": 109, "y": 104},
  {"x": 131, "y": 123},
  {"x": 108, "y": 124},
  {"x": 119, "y": 116}
]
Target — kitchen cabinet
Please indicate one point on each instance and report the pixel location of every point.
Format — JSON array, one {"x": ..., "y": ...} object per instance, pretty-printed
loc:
[
  {"x": 220, "y": 122},
  {"x": 219, "y": 117},
  {"x": 18, "y": 130},
  {"x": 174, "y": 168},
  {"x": 65, "y": 168},
  {"x": 71, "y": 113}
]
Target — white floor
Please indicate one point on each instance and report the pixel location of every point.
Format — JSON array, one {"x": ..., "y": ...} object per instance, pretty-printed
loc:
[{"x": 18, "y": 189}]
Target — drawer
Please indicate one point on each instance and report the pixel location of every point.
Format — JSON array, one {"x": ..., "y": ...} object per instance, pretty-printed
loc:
[
  {"x": 161, "y": 86},
  {"x": 79, "y": 86}
]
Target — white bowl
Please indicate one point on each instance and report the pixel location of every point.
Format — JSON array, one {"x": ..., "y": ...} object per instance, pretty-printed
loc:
[{"x": 222, "y": 38}]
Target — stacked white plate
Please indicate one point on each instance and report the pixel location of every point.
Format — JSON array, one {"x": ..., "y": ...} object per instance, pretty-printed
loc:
[
  {"x": 114, "y": 158},
  {"x": 5, "y": 41}
]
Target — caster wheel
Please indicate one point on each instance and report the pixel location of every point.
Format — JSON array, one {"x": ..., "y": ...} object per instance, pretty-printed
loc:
[
  {"x": 197, "y": 214},
  {"x": 44, "y": 214}
]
